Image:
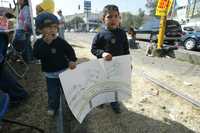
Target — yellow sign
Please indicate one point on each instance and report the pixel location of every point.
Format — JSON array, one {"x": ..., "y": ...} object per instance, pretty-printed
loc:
[
  {"x": 163, "y": 7},
  {"x": 169, "y": 6}
]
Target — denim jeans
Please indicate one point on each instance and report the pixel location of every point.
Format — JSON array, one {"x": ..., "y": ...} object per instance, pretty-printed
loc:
[
  {"x": 23, "y": 45},
  {"x": 28, "y": 51},
  {"x": 53, "y": 88},
  {"x": 61, "y": 33}
]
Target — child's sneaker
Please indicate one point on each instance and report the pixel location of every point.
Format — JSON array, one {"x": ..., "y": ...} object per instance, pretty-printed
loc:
[
  {"x": 117, "y": 109},
  {"x": 51, "y": 112}
]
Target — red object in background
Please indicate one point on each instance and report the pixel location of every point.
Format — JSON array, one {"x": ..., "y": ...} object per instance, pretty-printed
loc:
[{"x": 3, "y": 23}]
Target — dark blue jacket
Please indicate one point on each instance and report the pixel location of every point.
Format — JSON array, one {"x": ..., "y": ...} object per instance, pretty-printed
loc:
[
  {"x": 112, "y": 41},
  {"x": 3, "y": 48},
  {"x": 55, "y": 56}
]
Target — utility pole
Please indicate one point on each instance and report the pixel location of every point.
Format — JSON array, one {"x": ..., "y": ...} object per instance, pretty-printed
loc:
[
  {"x": 87, "y": 11},
  {"x": 173, "y": 9},
  {"x": 162, "y": 10},
  {"x": 195, "y": 1}
]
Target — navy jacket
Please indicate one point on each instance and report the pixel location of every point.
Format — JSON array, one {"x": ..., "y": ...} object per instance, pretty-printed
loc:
[
  {"x": 55, "y": 56},
  {"x": 3, "y": 48},
  {"x": 112, "y": 41}
]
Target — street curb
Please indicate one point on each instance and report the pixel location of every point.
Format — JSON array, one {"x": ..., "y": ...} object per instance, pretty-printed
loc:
[
  {"x": 189, "y": 56},
  {"x": 181, "y": 54}
]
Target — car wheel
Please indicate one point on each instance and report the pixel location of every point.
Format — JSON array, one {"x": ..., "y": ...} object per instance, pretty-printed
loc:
[{"x": 190, "y": 44}]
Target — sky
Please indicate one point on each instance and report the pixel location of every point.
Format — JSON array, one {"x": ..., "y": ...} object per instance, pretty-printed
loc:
[{"x": 70, "y": 7}]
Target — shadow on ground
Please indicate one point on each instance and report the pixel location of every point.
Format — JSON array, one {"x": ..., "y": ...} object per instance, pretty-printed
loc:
[
  {"x": 105, "y": 121},
  {"x": 74, "y": 45},
  {"x": 81, "y": 60}
]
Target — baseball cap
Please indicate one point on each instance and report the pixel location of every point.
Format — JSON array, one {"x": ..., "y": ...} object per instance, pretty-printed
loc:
[{"x": 45, "y": 19}]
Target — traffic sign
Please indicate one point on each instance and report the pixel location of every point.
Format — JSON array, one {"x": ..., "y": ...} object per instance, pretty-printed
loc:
[
  {"x": 87, "y": 5},
  {"x": 163, "y": 7}
]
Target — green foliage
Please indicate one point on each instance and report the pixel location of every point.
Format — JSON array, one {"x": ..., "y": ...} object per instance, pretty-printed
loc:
[
  {"x": 75, "y": 22},
  {"x": 151, "y": 5},
  {"x": 130, "y": 20}
]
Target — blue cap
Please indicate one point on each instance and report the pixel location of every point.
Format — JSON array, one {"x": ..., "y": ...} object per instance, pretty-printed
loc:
[{"x": 45, "y": 19}]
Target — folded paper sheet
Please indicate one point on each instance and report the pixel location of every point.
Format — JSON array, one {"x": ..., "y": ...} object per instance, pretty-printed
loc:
[{"x": 96, "y": 82}]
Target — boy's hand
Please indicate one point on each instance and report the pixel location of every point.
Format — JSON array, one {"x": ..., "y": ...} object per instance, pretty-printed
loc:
[
  {"x": 48, "y": 38},
  {"x": 72, "y": 65},
  {"x": 107, "y": 56}
]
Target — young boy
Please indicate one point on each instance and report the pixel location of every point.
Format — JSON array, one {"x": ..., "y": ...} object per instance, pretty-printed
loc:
[
  {"x": 56, "y": 55},
  {"x": 110, "y": 41}
]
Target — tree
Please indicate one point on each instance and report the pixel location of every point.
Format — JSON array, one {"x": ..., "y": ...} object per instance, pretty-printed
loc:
[
  {"x": 130, "y": 20},
  {"x": 151, "y": 5},
  {"x": 127, "y": 20},
  {"x": 75, "y": 22},
  {"x": 141, "y": 13}
]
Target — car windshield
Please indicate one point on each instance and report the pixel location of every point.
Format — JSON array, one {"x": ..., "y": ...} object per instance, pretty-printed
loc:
[{"x": 152, "y": 24}]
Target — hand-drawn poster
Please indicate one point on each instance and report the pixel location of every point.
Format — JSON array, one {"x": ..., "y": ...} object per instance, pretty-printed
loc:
[{"x": 96, "y": 82}]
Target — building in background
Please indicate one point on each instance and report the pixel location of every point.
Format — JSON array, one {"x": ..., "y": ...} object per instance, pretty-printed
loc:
[
  {"x": 91, "y": 20},
  {"x": 180, "y": 10},
  {"x": 187, "y": 12}
]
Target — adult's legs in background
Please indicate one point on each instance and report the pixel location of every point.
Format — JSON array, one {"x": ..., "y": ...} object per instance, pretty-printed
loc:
[
  {"x": 61, "y": 33},
  {"x": 28, "y": 51}
]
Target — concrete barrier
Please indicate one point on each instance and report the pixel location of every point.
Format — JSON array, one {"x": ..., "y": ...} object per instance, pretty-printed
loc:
[
  {"x": 189, "y": 56},
  {"x": 180, "y": 54}
]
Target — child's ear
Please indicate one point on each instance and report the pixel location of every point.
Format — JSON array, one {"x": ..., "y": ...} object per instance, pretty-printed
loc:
[{"x": 102, "y": 19}]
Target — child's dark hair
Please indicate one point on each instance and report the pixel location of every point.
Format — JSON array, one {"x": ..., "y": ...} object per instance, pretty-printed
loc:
[
  {"x": 109, "y": 8},
  {"x": 131, "y": 30},
  {"x": 25, "y": 4}
]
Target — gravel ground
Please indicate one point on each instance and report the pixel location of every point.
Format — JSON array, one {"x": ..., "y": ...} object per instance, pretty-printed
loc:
[{"x": 150, "y": 110}]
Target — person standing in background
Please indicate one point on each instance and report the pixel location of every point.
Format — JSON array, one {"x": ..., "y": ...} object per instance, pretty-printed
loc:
[
  {"x": 22, "y": 41},
  {"x": 61, "y": 25}
]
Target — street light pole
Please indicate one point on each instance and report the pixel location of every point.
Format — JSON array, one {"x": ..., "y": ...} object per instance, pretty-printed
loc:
[{"x": 195, "y": 1}]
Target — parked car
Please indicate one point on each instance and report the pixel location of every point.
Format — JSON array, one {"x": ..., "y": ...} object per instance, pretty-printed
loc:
[
  {"x": 191, "y": 39},
  {"x": 173, "y": 31}
]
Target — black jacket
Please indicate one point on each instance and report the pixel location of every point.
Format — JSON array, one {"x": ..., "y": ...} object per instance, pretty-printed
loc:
[
  {"x": 55, "y": 56},
  {"x": 112, "y": 41}
]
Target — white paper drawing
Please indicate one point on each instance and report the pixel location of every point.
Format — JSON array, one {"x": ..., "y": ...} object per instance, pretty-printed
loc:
[{"x": 96, "y": 82}]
